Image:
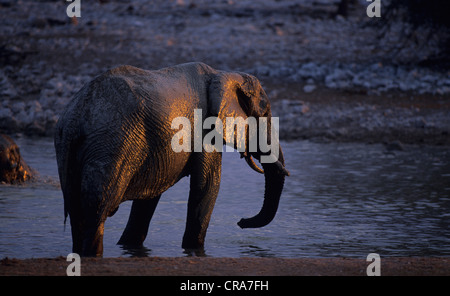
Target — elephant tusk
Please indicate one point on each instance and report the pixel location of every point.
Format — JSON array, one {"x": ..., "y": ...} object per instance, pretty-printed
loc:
[{"x": 251, "y": 163}]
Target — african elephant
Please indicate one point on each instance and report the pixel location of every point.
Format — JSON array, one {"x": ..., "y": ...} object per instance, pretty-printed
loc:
[
  {"x": 113, "y": 143},
  {"x": 13, "y": 168}
]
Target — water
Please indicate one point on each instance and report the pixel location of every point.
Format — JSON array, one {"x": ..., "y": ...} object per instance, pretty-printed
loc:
[{"x": 341, "y": 200}]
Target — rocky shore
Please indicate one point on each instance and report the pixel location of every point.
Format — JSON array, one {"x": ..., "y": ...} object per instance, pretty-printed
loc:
[
  {"x": 329, "y": 77},
  {"x": 330, "y": 116}
]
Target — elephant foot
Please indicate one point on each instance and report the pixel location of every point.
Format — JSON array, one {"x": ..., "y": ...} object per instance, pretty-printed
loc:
[
  {"x": 193, "y": 245},
  {"x": 195, "y": 252},
  {"x": 193, "y": 242},
  {"x": 130, "y": 241}
]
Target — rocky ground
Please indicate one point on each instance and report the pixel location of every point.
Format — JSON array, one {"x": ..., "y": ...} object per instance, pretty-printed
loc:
[{"x": 329, "y": 77}]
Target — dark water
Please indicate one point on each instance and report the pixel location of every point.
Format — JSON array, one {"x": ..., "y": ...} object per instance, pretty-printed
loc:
[{"x": 341, "y": 200}]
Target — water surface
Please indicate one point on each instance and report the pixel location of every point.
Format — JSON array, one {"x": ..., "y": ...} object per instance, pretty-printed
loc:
[{"x": 341, "y": 200}]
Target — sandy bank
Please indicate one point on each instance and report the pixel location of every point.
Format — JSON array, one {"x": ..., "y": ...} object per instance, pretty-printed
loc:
[{"x": 204, "y": 266}]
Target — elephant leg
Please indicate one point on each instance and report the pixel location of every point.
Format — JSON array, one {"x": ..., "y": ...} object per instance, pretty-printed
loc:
[
  {"x": 137, "y": 227},
  {"x": 96, "y": 204},
  {"x": 204, "y": 188},
  {"x": 77, "y": 229},
  {"x": 86, "y": 224},
  {"x": 93, "y": 240},
  {"x": 92, "y": 225}
]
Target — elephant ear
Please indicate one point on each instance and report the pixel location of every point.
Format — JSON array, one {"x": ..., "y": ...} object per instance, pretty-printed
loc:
[
  {"x": 253, "y": 96},
  {"x": 236, "y": 94},
  {"x": 225, "y": 91}
]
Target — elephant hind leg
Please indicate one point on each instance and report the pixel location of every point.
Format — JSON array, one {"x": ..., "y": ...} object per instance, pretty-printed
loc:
[
  {"x": 137, "y": 227},
  {"x": 91, "y": 224},
  {"x": 87, "y": 230},
  {"x": 100, "y": 195},
  {"x": 93, "y": 240},
  {"x": 76, "y": 226}
]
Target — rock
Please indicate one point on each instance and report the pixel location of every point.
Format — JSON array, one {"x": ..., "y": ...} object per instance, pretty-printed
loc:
[
  {"x": 38, "y": 22},
  {"x": 290, "y": 108},
  {"x": 311, "y": 70},
  {"x": 428, "y": 78},
  {"x": 339, "y": 79},
  {"x": 309, "y": 88},
  {"x": 420, "y": 123},
  {"x": 35, "y": 128},
  {"x": 6, "y": 88},
  {"x": 18, "y": 107},
  {"x": 403, "y": 86},
  {"x": 394, "y": 146},
  {"x": 12, "y": 55},
  {"x": 34, "y": 106},
  {"x": 304, "y": 109},
  {"x": 5, "y": 113},
  {"x": 443, "y": 90}
]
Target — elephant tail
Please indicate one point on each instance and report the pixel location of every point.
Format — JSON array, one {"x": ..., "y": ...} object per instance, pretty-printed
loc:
[{"x": 67, "y": 144}]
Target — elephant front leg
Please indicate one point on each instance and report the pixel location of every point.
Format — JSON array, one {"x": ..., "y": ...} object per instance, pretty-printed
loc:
[
  {"x": 137, "y": 227},
  {"x": 204, "y": 188}
]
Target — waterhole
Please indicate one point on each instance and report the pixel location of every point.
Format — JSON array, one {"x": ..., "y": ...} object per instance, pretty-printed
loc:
[{"x": 341, "y": 200}]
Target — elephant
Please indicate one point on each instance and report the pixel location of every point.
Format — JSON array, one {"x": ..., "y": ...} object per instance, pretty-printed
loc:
[
  {"x": 113, "y": 143},
  {"x": 13, "y": 168}
]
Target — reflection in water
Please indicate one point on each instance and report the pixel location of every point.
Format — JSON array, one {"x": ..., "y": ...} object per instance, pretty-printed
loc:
[
  {"x": 255, "y": 251},
  {"x": 195, "y": 252},
  {"x": 340, "y": 200},
  {"x": 135, "y": 251}
]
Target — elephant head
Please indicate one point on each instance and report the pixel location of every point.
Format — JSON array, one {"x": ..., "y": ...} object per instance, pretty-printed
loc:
[{"x": 233, "y": 95}]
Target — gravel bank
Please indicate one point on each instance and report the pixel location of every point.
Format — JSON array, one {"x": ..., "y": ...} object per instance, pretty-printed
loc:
[{"x": 329, "y": 77}]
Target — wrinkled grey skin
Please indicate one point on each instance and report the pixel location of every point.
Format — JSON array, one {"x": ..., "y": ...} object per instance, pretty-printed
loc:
[
  {"x": 113, "y": 143},
  {"x": 13, "y": 168}
]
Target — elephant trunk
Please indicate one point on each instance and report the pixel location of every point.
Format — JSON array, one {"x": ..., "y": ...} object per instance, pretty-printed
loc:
[{"x": 274, "y": 174}]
